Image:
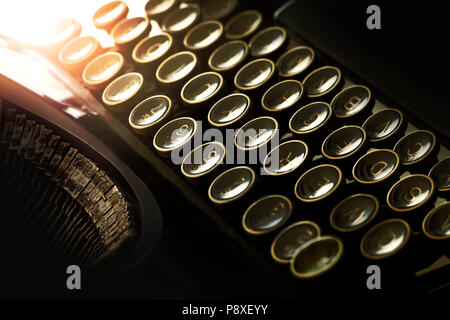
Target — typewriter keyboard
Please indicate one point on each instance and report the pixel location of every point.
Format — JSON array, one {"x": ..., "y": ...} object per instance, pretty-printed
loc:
[{"x": 320, "y": 172}]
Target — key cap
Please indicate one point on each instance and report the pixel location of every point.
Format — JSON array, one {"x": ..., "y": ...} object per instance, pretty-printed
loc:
[
  {"x": 149, "y": 114},
  {"x": 282, "y": 96},
  {"x": 436, "y": 234},
  {"x": 319, "y": 183},
  {"x": 376, "y": 167},
  {"x": 344, "y": 145},
  {"x": 410, "y": 193},
  {"x": 354, "y": 212},
  {"x": 109, "y": 14},
  {"x": 203, "y": 160},
  {"x": 267, "y": 214},
  {"x": 256, "y": 133},
  {"x": 388, "y": 244},
  {"x": 102, "y": 69},
  {"x": 286, "y": 158},
  {"x": 201, "y": 90},
  {"x": 385, "y": 239},
  {"x": 175, "y": 70},
  {"x": 203, "y": 37},
  {"x": 417, "y": 149},
  {"x": 255, "y": 75},
  {"x": 312, "y": 121},
  {"x": 317, "y": 257},
  {"x": 230, "y": 110},
  {"x": 243, "y": 24},
  {"x": 352, "y": 102},
  {"x": 295, "y": 61},
  {"x": 218, "y": 9},
  {"x": 385, "y": 126},
  {"x": 291, "y": 238},
  {"x": 436, "y": 224},
  {"x": 156, "y": 9},
  {"x": 150, "y": 52},
  {"x": 123, "y": 92},
  {"x": 174, "y": 135},
  {"x": 231, "y": 185},
  {"x": 267, "y": 42},
  {"x": 440, "y": 173},
  {"x": 75, "y": 54},
  {"x": 179, "y": 20},
  {"x": 128, "y": 32},
  {"x": 322, "y": 82},
  {"x": 228, "y": 57}
]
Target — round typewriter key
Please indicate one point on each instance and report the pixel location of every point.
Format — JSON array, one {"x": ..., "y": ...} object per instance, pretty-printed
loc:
[
  {"x": 376, "y": 166},
  {"x": 282, "y": 96},
  {"x": 416, "y": 147},
  {"x": 77, "y": 52},
  {"x": 351, "y": 101},
  {"x": 322, "y": 81},
  {"x": 102, "y": 69},
  {"x": 267, "y": 41},
  {"x": 174, "y": 134},
  {"x": 291, "y": 238},
  {"x": 436, "y": 224},
  {"x": 154, "y": 9},
  {"x": 256, "y": 133},
  {"x": 128, "y": 32},
  {"x": 203, "y": 160},
  {"x": 228, "y": 56},
  {"x": 203, "y": 35},
  {"x": 150, "y": 50},
  {"x": 295, "y": 61},
  {"x": 243, "y": 24},
  {"x": 229, "y": 110},
  {"x": 254, "y": 75},
  {"x": 354, "y": 212},
  {"x": 181, "y": 19},
  {"x": 410, "y": 193},
  {"x": 384, "y": 125},
  {"x": 440, "y": 173},
  {"x": 286, "y": 158},
  {"x": 311, "y": 118},
  {"x": 218, "y": 9},
  {"x": 390, "y": 244},
  {"x": 436, "y": 233},
  {"x": 122, "y": 91},
  {"x": 344, "y": 142},
  {"x": 202, "y": 88},
  {"x": 109, "y": 14},
  {"x": 434, "y": 239},
  {"x": 385, "y": 239},
  {"x": 149, "y": 113},
  {"x": 316, "y": 257},
  {"x": 267, "y": 214},
  {"x": 177, "y": 68},
  {"x": 231, "y": 185},
  {"x": 318, "y": 183}
]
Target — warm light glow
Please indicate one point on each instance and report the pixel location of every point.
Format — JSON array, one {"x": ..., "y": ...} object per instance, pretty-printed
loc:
[{"x": 30, "y": 20}]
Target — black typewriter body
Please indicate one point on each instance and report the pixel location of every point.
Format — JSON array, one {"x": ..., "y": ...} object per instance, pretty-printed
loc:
[{"x": 113, "y": 201}]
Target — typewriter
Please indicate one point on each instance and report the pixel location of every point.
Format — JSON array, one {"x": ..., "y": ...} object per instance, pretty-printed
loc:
[{"x": 274, "y": 150}]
